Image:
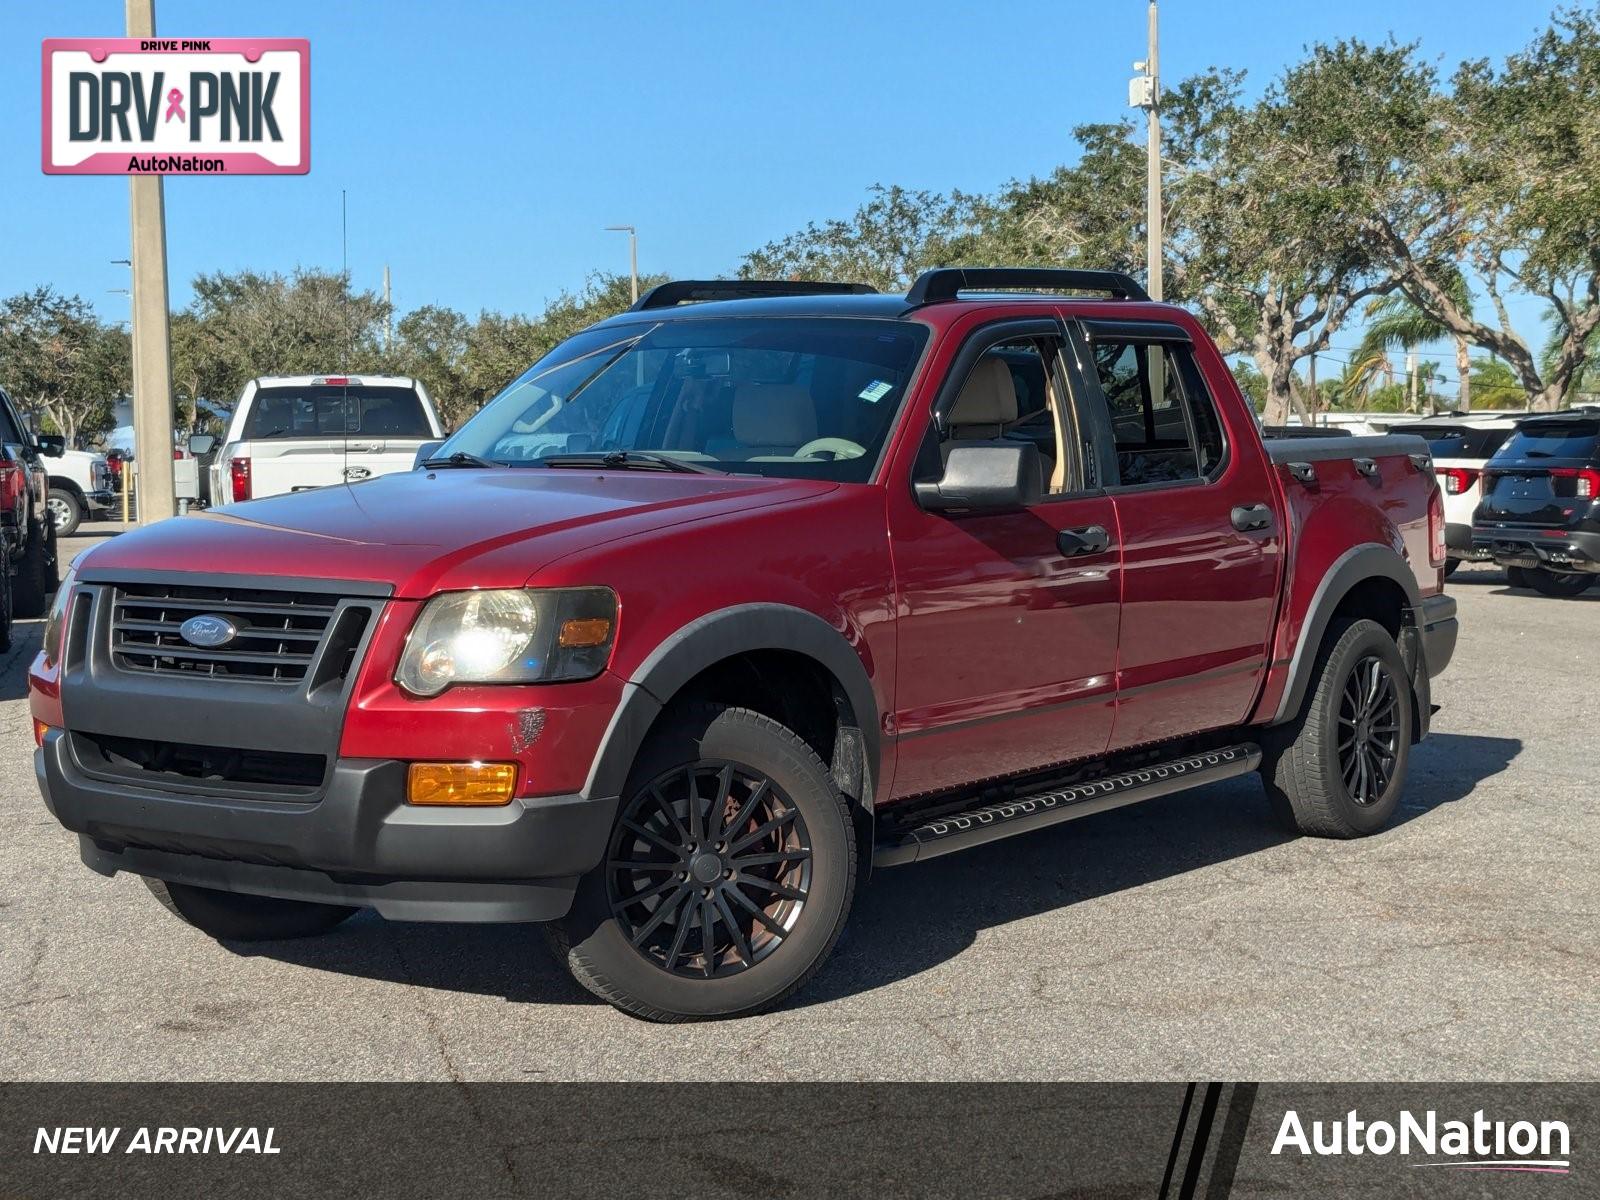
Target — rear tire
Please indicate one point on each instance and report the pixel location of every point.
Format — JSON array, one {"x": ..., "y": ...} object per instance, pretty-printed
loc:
[
  {"x": 1450, "y": 565},
  {"x": 32, "y": 586},
  {"x": 1517, "y": 577},
  {"x": 696, "y": 913},
  {"x": 7, "y": 616},
  {"x": 1339, "y": 770},
  {"x": 238, "y": 917},
  {"x": 1559, "y": 583}
]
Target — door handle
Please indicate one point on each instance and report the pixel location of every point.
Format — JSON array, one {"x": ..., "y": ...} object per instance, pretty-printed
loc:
[
  {"x": 1091, "y": 539},
  {"x": 1249, "y": 517}
]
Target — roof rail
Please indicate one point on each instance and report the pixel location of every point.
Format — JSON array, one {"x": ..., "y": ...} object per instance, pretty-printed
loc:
[
  {"x": 944, "y": 283},
  {"x": 666, "y": 295}
]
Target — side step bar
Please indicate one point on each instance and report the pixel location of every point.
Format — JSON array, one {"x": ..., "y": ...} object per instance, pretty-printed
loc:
[{"x": 1023, "y": 814}]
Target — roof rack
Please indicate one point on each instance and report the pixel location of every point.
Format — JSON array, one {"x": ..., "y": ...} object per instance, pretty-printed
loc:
[
  {"x": 944, "y": 283},
  {"x": 666, "y": 295}
]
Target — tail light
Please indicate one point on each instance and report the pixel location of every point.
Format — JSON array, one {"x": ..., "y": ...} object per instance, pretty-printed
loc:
[
  {"x": 1585, "y": 480},
  {"x": 239, "y": 474},
  {"x": 1436, "y": 548},
  {"x": 1457, "y": 480}
]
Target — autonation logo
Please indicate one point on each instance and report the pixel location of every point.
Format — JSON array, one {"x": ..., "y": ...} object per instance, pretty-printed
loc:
[{"x": 1476, "y": 1145}]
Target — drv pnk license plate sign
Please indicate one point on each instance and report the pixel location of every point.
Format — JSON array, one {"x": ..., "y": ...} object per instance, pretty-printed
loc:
[{"x": 177, "y": 106}]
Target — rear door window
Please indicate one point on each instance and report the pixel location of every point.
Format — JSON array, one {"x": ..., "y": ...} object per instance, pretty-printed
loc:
[
  {"x": 1163, "y": 420},
  {"x": 332, "y": 411}
]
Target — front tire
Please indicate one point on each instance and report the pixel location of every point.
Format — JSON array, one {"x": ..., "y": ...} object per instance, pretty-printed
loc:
[
  {"x": 1340, "y": 769},
  {"x": 66, "y": 512},
  {"x": 32, "y": 581},
  {"x": 1559, "y": 583},
  {"x": 238, "y": 917},
  {"x": 727, "y": 878}
]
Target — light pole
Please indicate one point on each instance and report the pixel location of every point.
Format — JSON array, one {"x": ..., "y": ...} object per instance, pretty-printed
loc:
[
  {"x": 1144, "y": 91},
  {"x": 633, "y": 254}
]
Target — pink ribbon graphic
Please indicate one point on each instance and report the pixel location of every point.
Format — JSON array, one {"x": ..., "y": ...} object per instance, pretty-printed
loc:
[{"x": 175, "y": 106}]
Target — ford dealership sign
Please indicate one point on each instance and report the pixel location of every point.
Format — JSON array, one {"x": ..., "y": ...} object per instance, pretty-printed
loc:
[{"x": 168, "y": 106}]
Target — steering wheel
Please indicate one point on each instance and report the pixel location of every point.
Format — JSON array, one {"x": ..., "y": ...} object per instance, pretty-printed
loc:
[{"x": 836, "y": 446}]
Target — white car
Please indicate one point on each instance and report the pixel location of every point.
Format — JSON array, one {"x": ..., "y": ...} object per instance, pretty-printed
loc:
[
  {"x": 1461, "y": 445},
  {"x": 290, "y": 433},
  {"x": 80, "y": 487}
]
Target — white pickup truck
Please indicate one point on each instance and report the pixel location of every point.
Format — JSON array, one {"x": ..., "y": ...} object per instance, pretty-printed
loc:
[
  {"x": 80, "y": 487},
  {"x": 290, "y": 433}
]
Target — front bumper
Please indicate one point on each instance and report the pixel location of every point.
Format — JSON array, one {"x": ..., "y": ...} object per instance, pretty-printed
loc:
[
  {"x": 356, "y": 843},
  {"x": 1556, "y": 549}
]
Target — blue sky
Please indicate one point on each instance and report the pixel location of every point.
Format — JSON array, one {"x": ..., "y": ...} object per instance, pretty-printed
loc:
[{"x": 484, "y": 145}]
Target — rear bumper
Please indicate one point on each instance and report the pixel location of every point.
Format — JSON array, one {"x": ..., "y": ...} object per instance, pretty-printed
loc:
[
  {"x": 100, "y": 499},
  {"x": 359, "y": 843},
  {"x": 1532, "y": 548},
  {"x": 1458, "y": 541}
]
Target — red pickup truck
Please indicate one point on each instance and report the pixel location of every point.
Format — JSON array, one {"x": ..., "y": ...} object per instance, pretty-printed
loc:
[{"x": 733, "y": 596}]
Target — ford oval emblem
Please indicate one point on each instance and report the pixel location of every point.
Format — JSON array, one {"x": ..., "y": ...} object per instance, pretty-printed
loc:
[{"x": 208, "y": 631}]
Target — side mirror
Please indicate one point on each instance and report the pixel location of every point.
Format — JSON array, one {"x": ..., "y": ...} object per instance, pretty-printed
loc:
[
  {"x": 424, "y": 452},
  {"x": 985, "y": 476},
  {"x": 201, "y": 444},
  {"x": 51, "y": 445}
]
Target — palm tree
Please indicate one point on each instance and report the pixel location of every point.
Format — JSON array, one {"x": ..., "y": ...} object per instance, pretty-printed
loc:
[{"x": 1397, "y": 324}]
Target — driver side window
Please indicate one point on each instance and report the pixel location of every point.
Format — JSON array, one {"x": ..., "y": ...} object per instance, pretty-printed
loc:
[{"x": 1016, "y": 391}]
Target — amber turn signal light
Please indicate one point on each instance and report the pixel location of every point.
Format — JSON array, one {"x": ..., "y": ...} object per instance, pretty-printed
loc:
[
  {"x": 590, "y": 631},
  {"x": 483, "y": 784},
  {"x": 39, "y": 730}
]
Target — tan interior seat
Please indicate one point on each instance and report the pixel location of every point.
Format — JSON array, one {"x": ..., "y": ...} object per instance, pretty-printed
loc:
[
  {"x": 986, "y": 405},
  {"x": 768, "y": 419}
]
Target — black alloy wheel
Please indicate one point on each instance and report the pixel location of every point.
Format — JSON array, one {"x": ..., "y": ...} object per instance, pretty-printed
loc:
[
  {"x": 708, "y": 869},
  {"x": 1369, "y": 730}
]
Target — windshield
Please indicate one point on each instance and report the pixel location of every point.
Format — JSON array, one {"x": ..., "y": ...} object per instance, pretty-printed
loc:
[
  {"x": 324, "y": 411},
  {"x": 813, "y": 398}
]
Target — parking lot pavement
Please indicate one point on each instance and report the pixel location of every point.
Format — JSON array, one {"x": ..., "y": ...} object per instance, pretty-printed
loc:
[{"x": 1181, "y": 938}]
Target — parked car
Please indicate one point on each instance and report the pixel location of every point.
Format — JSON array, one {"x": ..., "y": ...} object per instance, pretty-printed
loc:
[
  {"x": 733, "y": 596},
  {"x": 290, "y": 433},
  {"x": 31, "y": 535},
  {"x": 80, "y": 488},
  {"x": 1540, "y": 513},
  {"x": 1461, "y": 444}
]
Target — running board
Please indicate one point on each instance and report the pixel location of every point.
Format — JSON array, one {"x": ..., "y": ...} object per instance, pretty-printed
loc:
[{"x": 991, "y": 822}]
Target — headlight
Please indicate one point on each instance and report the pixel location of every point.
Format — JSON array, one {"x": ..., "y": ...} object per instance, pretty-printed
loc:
[
  {"x": 514, "y": 635},
  {"x": 57, "y": 617}
]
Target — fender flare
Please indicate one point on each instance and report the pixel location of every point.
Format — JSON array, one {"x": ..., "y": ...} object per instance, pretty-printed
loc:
[
  {"x": 1354, "y": 566},
  {"x": 710, "y": 639}
]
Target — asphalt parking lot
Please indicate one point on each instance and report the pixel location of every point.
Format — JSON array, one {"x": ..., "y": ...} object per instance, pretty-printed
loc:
[{"x": 1184, "y": 937}]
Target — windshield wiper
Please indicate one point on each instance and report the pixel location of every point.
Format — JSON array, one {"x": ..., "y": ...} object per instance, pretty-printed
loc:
[
  {"x": 647, "y": 460},
  {"x": 461, "y": 459}
]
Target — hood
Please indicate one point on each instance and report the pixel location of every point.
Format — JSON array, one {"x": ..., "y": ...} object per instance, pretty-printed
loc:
[{"x": 419, "y": 531}]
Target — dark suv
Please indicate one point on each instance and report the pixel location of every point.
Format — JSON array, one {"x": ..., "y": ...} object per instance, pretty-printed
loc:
[{"x": 1539, "y": 516}]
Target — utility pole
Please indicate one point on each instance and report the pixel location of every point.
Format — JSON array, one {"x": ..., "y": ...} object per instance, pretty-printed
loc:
[
  {"x": 633, "y": 254},
  {"x": 152, "y": 346},
  {"x": 388, "y": 312},
  {"x": 1312, "y": 380},
  {"x": 1144, "y": 91},
  {"x": 1411, "y": 382}
]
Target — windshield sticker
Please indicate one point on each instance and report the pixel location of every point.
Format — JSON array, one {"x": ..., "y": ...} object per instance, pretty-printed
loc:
[{"x": 875, "y": 391}]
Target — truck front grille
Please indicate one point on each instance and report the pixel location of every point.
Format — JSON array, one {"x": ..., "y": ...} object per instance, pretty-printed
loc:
[
  {"x": 279, "y": 633},
  {"x": 135, "y": 757}
]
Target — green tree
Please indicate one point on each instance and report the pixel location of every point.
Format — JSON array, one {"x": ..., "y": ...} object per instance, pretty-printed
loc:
[
  {"x": 431, "y": 345},
  {"x": 897, "y": 234},
  {"x": 1396, "y": 323},
  {"x": 247, "y": 324},
  {"x": 1495, "y": 386},
  {"x": 1505, "y": 176},
  {"x": 60, "y": 363}
]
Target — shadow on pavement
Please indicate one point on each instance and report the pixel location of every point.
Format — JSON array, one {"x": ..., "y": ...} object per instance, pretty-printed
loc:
[{"x": 910, "y": 920}]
